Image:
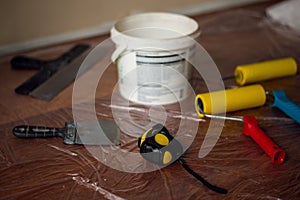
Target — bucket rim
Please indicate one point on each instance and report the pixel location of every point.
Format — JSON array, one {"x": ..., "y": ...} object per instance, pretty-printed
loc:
[{"x": 194, "y": 33}]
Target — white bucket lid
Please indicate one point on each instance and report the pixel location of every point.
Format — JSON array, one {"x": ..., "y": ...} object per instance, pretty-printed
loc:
[{"x": 153, "y": 31}]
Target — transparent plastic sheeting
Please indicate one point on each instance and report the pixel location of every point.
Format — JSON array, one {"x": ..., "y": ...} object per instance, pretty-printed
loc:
[{"x": 49, "y": 169}]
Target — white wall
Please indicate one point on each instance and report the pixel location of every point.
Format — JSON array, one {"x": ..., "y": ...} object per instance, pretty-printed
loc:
[{"x": 31, "y": 23}]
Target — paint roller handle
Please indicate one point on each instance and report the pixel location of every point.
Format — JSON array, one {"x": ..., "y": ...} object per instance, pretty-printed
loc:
[
  {"x": 282, "y": 102},
  {"x": 252, "y": 129}
]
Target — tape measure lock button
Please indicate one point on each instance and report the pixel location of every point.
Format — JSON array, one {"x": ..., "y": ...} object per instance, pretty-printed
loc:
[
  {"x": 161, "y": 139},
  {"x": 167, "y": 157}
]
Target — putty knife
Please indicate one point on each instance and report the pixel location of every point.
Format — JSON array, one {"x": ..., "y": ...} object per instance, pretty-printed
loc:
[{"x": 103, "y": 132}]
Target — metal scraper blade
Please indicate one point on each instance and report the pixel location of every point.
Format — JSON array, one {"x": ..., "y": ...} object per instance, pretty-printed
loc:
[
  {"x": 60, "y": 80},
  {"x": 103, "y": 132}
]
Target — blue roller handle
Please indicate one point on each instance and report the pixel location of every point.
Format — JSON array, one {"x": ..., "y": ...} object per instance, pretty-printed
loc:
[{"x": 282, "y": 102}]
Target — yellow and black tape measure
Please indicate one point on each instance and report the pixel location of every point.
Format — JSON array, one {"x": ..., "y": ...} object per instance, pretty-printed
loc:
[{"x": 158, "y": 146}]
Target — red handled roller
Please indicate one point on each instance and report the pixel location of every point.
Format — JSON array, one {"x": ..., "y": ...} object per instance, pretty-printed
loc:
[{"x": 252, "y": 129}]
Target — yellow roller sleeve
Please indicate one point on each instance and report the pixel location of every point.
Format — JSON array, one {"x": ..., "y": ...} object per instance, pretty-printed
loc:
[
  {"x": 255, "y": 72},
  {"x": 230, "y": 100}
]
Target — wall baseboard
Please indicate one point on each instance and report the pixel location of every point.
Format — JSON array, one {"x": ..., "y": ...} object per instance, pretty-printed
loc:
[
  {"x": 207, "y": 7},
  {"x": 105, "y": 28}
]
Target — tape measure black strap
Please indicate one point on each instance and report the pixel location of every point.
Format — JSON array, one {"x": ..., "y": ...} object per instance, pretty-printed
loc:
[{"x": 201, "y": 179}]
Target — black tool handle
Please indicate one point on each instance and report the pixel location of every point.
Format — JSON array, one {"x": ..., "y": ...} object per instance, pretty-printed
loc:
[
  {"x": 25, "y": 131},
  {"x": 24, "y": 62}
]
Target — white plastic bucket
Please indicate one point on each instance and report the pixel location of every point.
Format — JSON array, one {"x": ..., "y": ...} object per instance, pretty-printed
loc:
[{"x": 152, "y": 50}]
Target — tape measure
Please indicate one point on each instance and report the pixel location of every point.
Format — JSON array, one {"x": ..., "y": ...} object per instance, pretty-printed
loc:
[{"x": 158, "y": 146}]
